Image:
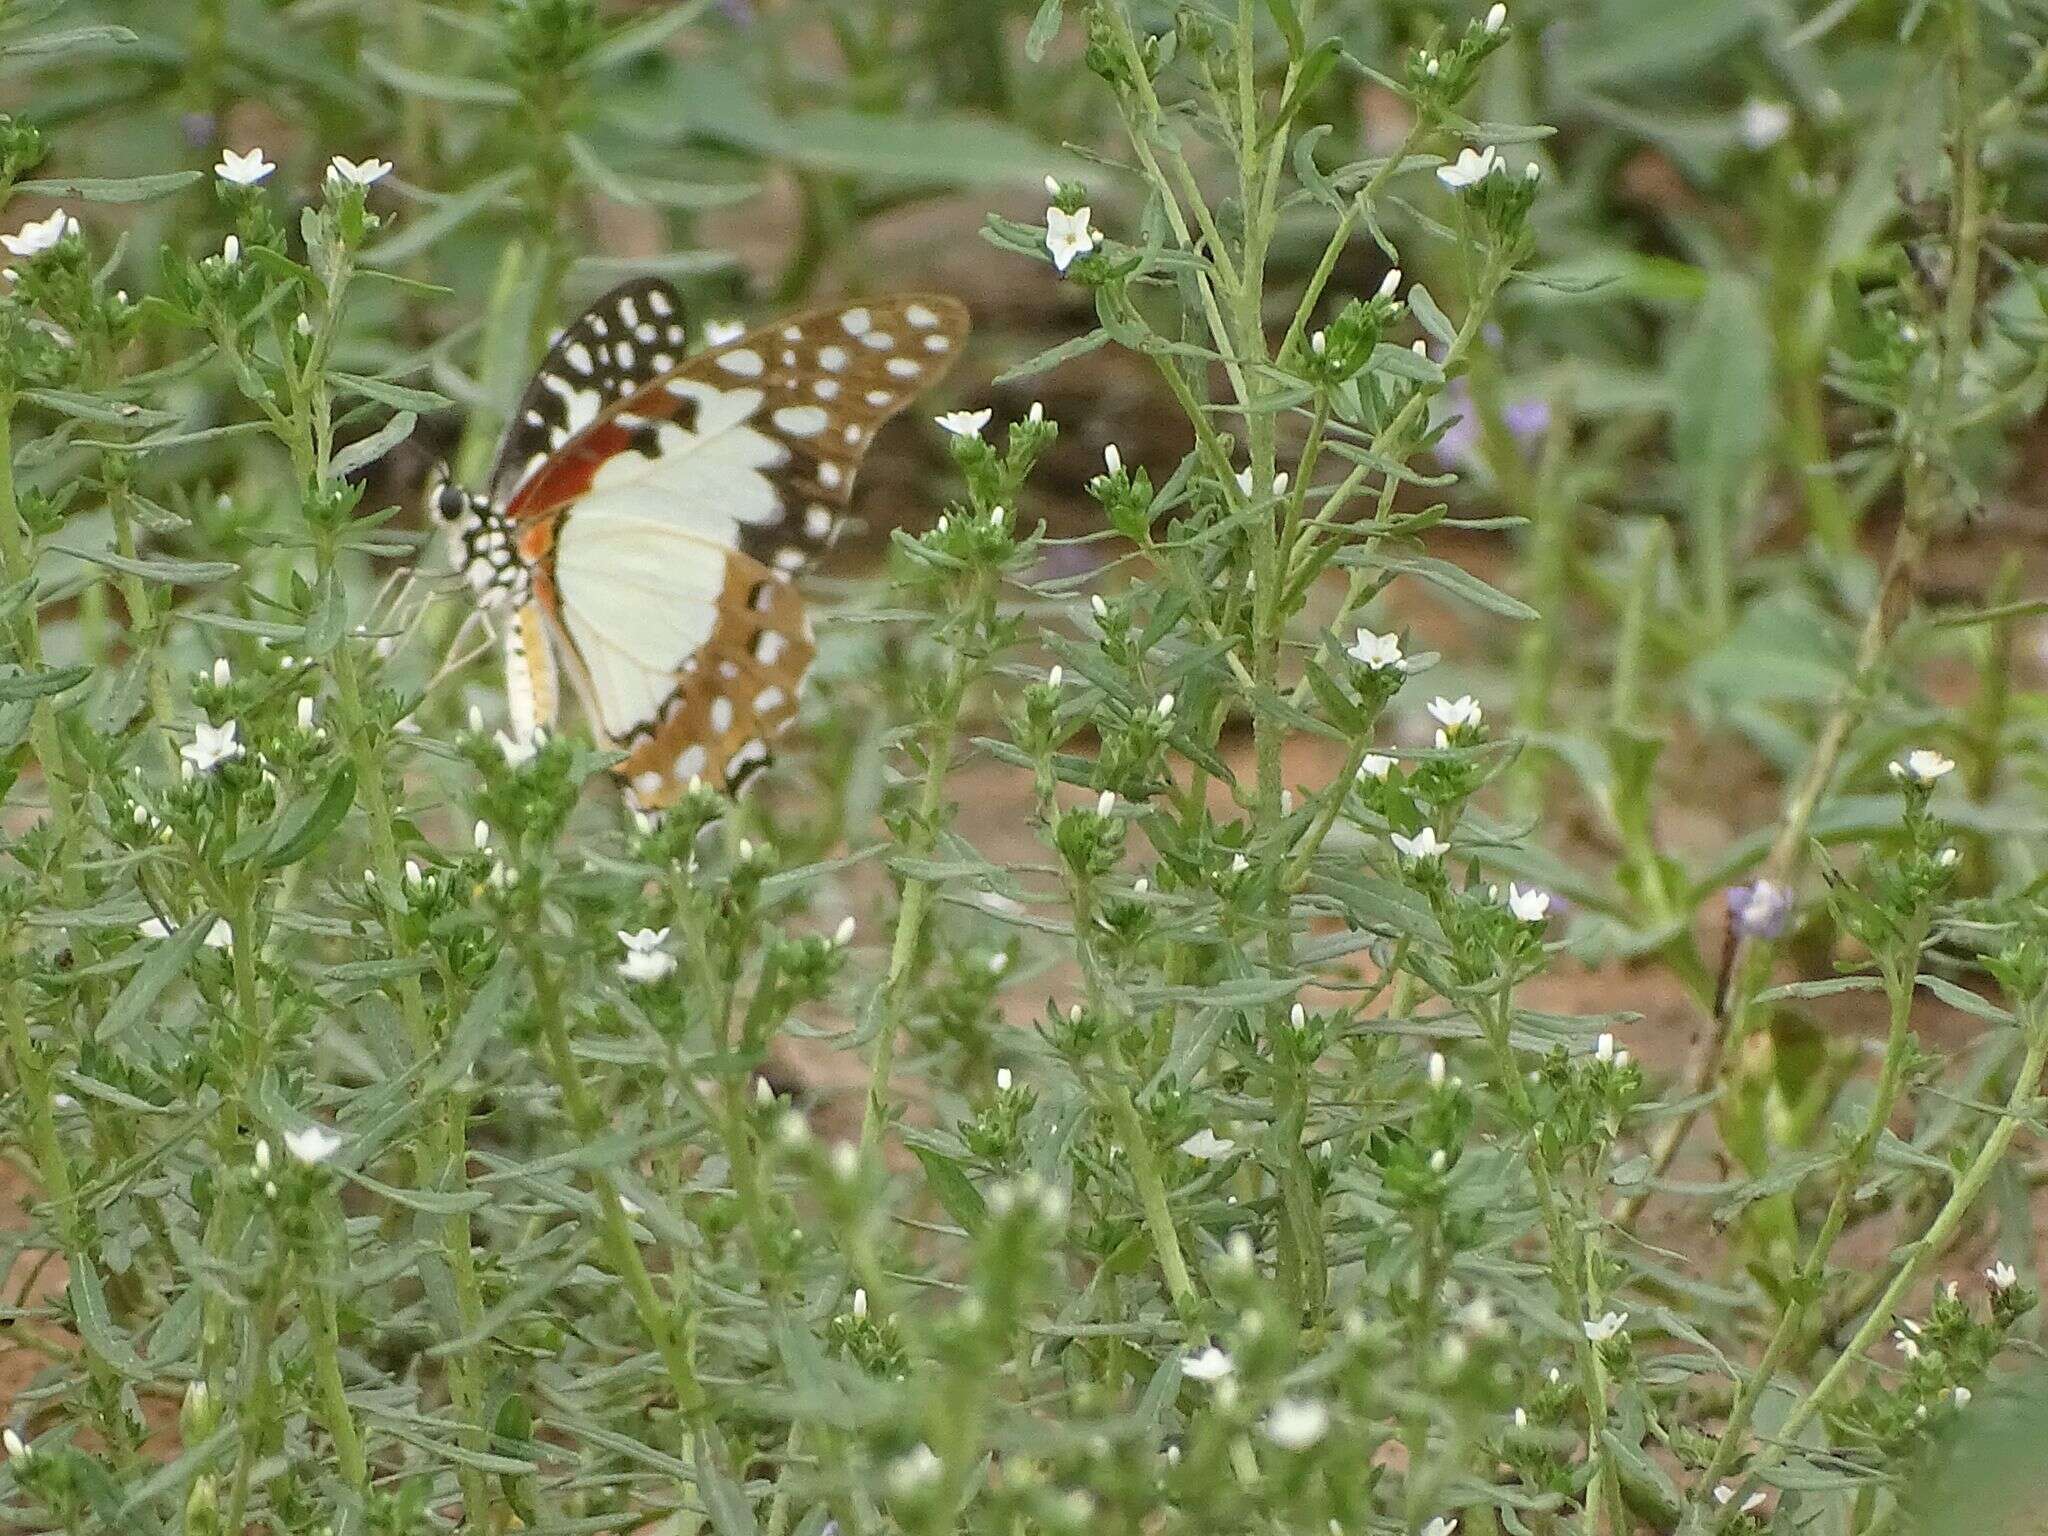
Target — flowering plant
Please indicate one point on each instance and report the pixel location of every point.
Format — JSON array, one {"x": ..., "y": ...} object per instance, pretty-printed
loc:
[{"x": 413, "y": 1137}]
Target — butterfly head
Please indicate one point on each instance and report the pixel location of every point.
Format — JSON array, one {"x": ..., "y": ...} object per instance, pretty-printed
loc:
[{"x": 480, "y": 540}]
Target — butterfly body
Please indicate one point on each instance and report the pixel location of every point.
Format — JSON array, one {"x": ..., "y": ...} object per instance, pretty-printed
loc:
[{"x": 649, "y": 510}]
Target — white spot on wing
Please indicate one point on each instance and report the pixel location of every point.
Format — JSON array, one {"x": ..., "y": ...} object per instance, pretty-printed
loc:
[
  {"x": 801, "y": 420},
  {"x": 924, "y": 319},
  {"x": 832, "y": 359},
  {"x": 857, "y": 322},
  {"x": 742, "y": 361}
]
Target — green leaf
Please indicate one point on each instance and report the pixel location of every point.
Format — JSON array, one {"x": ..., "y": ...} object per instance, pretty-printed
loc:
[
  {"x": 365, "y": 451},
  {"x": 420, "y": 82},
  {"x": 1312, "y": 73},
  {"x": 403, "y": 397},
  {"x": 99, "y": 411},
  {"x": 111, "y": 189},
  {"x": 1626, "y": 42},
  {"x": 1282, "y": 12},
  {"x": 166, "y": 959},
  {"x": 1429, "y": 317},
  {"x": 40, "y": 684},
  {"x": 449, "y": 213},
  {"x": 1721, "y": 387},
  {"x": 1052, "y": 357},
  {"x": 1044, "y": 27},
  {"x": 724, "y": 1500},
  {"x": 309, "y": 823},
  {"x": 176, "y": 573},
  {"x": 70, "y": 40},
  {"x": 96, "y": 1323},
  {"x": 1460, "y": 583},
  {"x": 955, "y": 1191}
]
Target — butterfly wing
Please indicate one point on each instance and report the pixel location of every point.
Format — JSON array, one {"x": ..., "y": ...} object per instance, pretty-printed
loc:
[
  {"x": 635, "y": 333},
  {"x": 663, "y": 531}
]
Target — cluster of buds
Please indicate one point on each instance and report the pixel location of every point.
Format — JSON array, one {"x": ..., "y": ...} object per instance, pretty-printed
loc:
[
  {"x": 1343, "y": 349},
  {"x": 1442, "y": 74},
  {"x": 1125, "y": 494}
]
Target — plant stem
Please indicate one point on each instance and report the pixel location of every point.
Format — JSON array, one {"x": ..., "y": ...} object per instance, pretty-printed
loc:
[{"x": 1805, "y": 1285}]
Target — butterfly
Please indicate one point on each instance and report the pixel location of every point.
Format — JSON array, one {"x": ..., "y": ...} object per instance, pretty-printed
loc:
[{"x": 649, "y": 510}]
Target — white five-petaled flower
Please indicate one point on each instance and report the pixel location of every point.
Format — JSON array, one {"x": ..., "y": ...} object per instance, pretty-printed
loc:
[
  {"x": 1069, "y": 235},
  {"x": 38, "y": 235},
  {"x": 1531, "y": 906},
  {"x": 965, "y": 423},
  {"x": 1604, "y": 1327},
  {"x": 645, "y": 959},
  {"x": 357, "y": 173},
  {"x": 1206, "y": 1146},
  {"x": 210, "y": 746},
  {"x": 1923, "y": 765},
  {"x": 243, "y": 170},
  {"x": 1440, "y": 1526},
  {"x": 1456, "y": 714},
  {"x": 2002, "y": 1276},
  {"x": 1296, "y": 1423},
  {"x": 1424, "y": 847},
  {"x": 1377, "y": 653},
  {"x": 1375, "y": 765},
  {"x": 1469, "y": 169},
  {"x": 315, "y": 1144},
  {"x": 1210, "y": 1364}
]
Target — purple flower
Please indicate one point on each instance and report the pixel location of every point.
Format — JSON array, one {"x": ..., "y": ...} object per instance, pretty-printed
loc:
[
  {"x": 1526, "y": 419},
  {"x": 1760, "y": 911}
]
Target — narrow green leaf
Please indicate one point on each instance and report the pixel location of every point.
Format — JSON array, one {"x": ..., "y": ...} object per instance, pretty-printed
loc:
[
  {"x": 111, "y": 189},
  {"x": 41, "y": 684},
  {"x": 176, "y": 573},
  {"x": 96, "y": 1323},
  {"x": 166, "y": 960},
  {"x": 1429, "y": 317},
  {"x": 955, "y": 1191},
  {"x": 365, "y": 451},
  {"x": 1044, "y": 27},
  {"x": 307, "y": 826},
  {"x": 1282, "y": 12}
]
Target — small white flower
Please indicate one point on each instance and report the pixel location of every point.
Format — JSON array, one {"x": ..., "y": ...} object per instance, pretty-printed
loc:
[
  {"x": 1391, "y": 283},
  {"x": 243, "y": 170},
  {"x": 1496, "y": 18},
  {"x": 1962, "y": 1396},
  {"x": 1423, "y": 848},
  {"x": 1206, "y": 1146},
  {"x": 843, "y": 934},
  {"x": 1469, "y": 169},
  {"x": 1439, "y": 1160},
  {"x": 1036, "y": 415},
  {"x": 1005, "y": 1079},
  {"x": 1280, "y": 483},
  {"x": 1319, "y": 342},
  {"x": 1922, "y": 766},
  {"x": 1603, "y": 1048},
  {"x": 965, "y": 423},
  {"x": 2002, "y": 1276},
  {"x": 917, "y": 1468},
  {"x": 1377, "y": 653},
  {"x": 210, "y": 746},
  {"x": 860, "y": 1301},
  {"x": 315, "y": 1144},
  {"x": 1244, "y": 480},
  {"x": 1604, "y": 1327},
  {"x": 1068, "y": 235},
  {"x": 1948, "y": 858},
  {"x": 306, "y": 713},
  {"x": 718, "y": 332},
  {"x": 1521, "y": 1418},
  {"x": 1439, "y": 1526},
  {"x": 1105, "y": 803},
  {"x": 518, "y": 750},
  {"x": 38, "y": 235},
  {"x": 1375, "y": 765},
  {"x": 1530, "y": 906},
  {"x": 1723, "y": 1494},
  {"x": 1438, "y": 1069},
  {"x": 262, "y": 1156},
  {"x": 1456, "y": 714},
  {"x": 357, "y": 173},
  {"x": 645, "y": 959},
  {"x": 1764, "y": 123},
  {"x": 1210, "y": 1364},
  {"x": 17, "y": 1448},
  {"x": 230, "y": 251},
  {"x": 1907, "y": 1344},
  {"x": 1164, "y": 708},
  {"x": 1296, "y": 1423}
]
